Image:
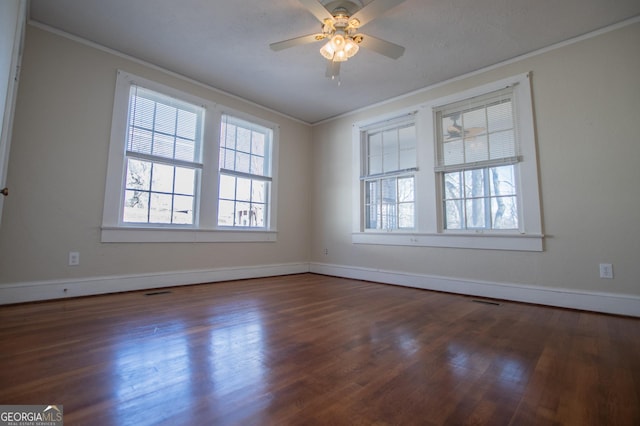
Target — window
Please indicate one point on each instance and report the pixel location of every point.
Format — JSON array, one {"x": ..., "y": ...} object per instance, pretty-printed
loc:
[
  {"x": 390, "y": 152},
  {"x": 476, "y": 162},
  {"x": 163, "y": 159},
  {"x": 467, "y": 179},
  {"x": 184, "y": 169},
  {"x": 245, "y": 177}
]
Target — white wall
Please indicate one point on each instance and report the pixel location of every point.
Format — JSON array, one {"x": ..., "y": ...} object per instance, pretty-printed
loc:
[
  {"x": 57, "y": 175},
  {"x": 587, "y": 99},
  {"x": 587, "y": 103}
]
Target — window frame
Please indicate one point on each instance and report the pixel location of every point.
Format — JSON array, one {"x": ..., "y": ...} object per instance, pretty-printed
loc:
[
  {"x": 429, "y": 230},
  {"x": 266, "y": 176},
  {"x": 205, "y": 228},
  {"x": 395, "y": 123}
]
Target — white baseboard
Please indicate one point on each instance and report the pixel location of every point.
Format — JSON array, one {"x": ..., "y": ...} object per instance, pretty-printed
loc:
[
  {"x": 619, "y": 304},
  {"x": 610, "y": 303},
  {"x": 57, "y": 289}
]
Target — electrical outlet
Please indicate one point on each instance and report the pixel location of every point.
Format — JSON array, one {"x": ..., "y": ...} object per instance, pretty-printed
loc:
[
  {"x": 325, "y": 251},
  {"x": 606, "y": 270},
  {"x": 74, "y": 258}
]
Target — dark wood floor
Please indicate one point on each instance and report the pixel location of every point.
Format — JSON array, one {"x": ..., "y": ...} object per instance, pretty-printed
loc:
[{"x": 309, "y": 349}]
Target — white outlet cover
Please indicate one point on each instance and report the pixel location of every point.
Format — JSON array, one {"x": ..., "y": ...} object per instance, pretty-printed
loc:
[
  {"x": 606, "y": 270},
  {"x": 74, "y": 258}
]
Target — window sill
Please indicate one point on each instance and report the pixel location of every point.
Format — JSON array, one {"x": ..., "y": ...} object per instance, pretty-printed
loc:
[
  {"x": 182, "y": 235},
  {"x": 519, "y": 242}
]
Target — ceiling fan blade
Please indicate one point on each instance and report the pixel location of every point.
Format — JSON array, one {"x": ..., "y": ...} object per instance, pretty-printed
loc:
[
  {"x": 374, "y": 9},
  {"x": 317, "y": 9},
  {"x": 333, "y": 69},
  {"x": 285, "y": 44},
  {"x": 382, "y": 47}
]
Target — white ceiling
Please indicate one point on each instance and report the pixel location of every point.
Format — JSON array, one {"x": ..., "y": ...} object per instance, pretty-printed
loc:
[{"x": 225, "y": 44}]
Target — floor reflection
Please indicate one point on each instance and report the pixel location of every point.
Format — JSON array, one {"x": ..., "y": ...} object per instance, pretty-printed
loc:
[
  {"x": 152, "y": 370},
  {"x": 168, "y": 365},
  {"x": 236, "y": 352},
  {"x": 510, "y": 372}
]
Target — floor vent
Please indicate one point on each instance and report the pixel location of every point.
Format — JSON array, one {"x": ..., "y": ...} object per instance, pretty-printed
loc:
[
  {"x": 156, "y": 293},
  {"x": 486, "y": 302}
]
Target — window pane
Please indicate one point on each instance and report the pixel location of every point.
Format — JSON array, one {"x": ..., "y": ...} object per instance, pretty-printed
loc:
[
  {"x": 185, "y": 181},
  {"x": 185, "y": 150},
  {"x": 451, "y": 127},
  {"x": 162, "y": 178},
  {"x": 228, "y": 135},
  {"x": 407, "y": 159},
  {"x": 372, "y": 192},
  {"x": 405, "y": 190},
  {"x": 257, "y": 165},
  {"x": 160, "y": 208},
  {"x": 187, "y": 125},
  {"x": 136, "y": 206},
  {"x": 476, "y": 149},
  {"x": 406, "y": 215},
  {"x": 258, "y": 214},
  {"x": 138, "y": 174},
  {"x": 140, "y": 141},
  {"x": 372, "y": 209},
  {"x": 257, "y": 143},
  {"x": 375, "y": 165},
  {"x": 226, "y": 211},
  {"x": 259, "y": 191},
  {"x": 243, "y": 141},
  {"x": 454, "y": 212},
  {"x": 242, "y": 162},
  {"x": 165, "y": 119},
  {"x": 389, "y": 191},
  {"x": 407, "y": 137},
  {"x": 390, "y": 150},
  {"x": 453, "y": 152},
  {"x": 505, "y": 212},
  {"x": 227, "y": 159},
  {"x": 474, "y": 122},
  {"x": 375, "y": 144},
  {"x": 243, "y": 214},
  {"x": 503, "y": 180},
  {"x": 183, "y": 209},
  {"x": 227, "y": 187},
  {"x": 372, "y": 219},
  {"x": 163, "y": 145},
  {"x": 142, "y": 111},
  {"x": 475, "y": 213},
  {"x": 475, "y": 183},
  {"x": 502, "y": 144},
  {"x": 243, "y": 189},
  {"x": 453, "y": 185},
  {"x": 500, "y": 116}
]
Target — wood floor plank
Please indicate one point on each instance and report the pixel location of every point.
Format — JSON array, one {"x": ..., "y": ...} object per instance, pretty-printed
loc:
[{"x": 316, "y": 350}]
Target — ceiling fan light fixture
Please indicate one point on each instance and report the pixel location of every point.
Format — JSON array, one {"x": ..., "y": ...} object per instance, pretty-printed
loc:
[
  {"x": 350, "y": 47},
  {"x": 339, "y": 48},
  {"x": 327, "y": 50}
]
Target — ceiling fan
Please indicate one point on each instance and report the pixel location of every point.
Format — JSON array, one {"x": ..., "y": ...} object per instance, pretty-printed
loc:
[{"x": 341, "y": 21}]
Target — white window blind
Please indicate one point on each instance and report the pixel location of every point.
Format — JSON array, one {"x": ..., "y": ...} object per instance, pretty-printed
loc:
[
  {"x": 477, "y": 132},
  {"x": 391, "y": 149}
]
